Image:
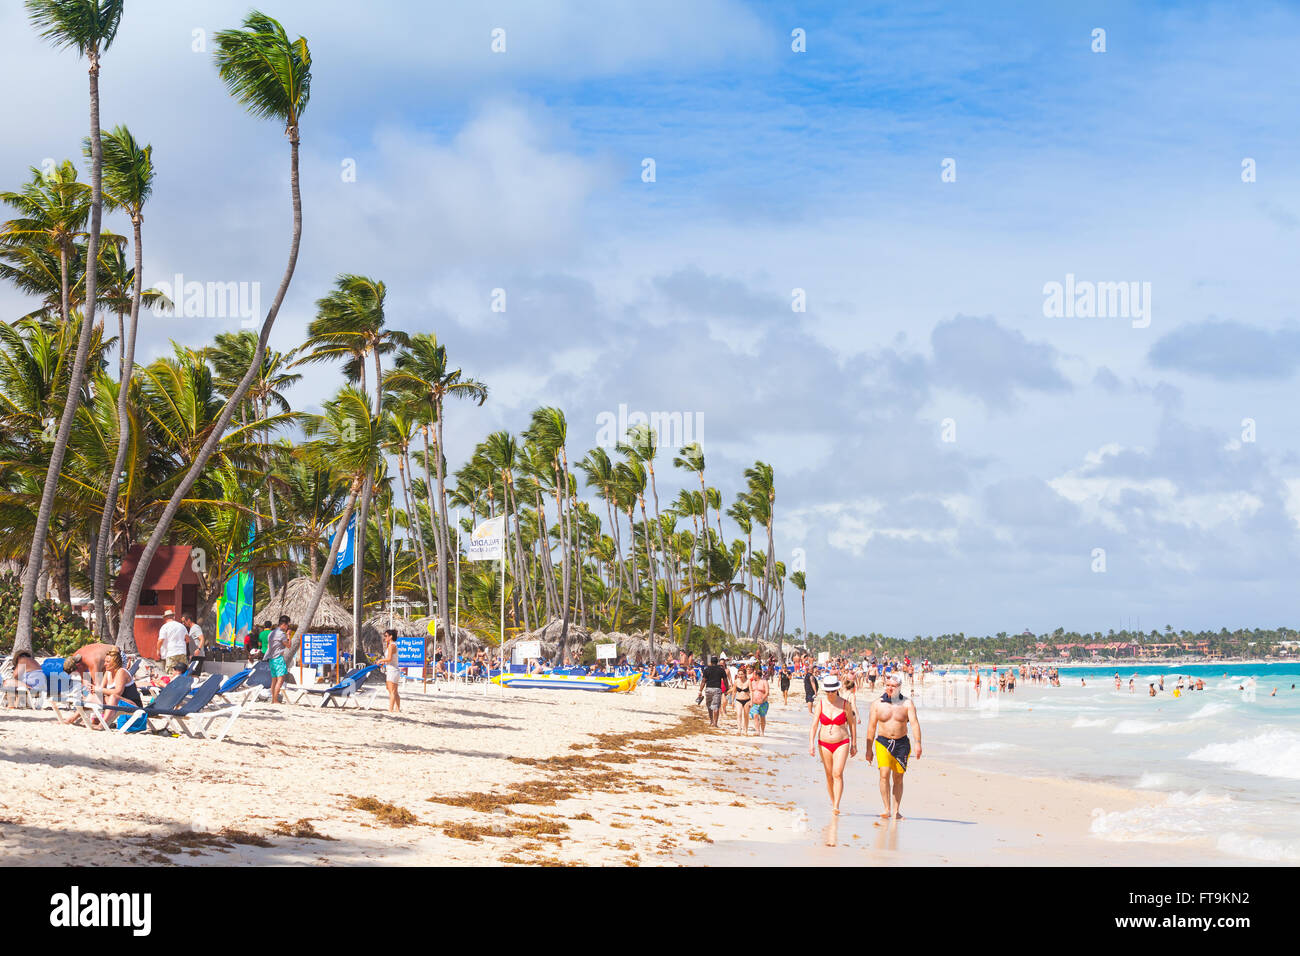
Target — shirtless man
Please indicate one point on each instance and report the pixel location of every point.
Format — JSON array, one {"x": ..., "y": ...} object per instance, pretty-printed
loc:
[
  {"x": 887, "y": 727},
  {"x": 88, "y": 661}
]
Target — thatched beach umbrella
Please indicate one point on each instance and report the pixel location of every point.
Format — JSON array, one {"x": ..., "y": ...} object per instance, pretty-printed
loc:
[{"x": 293, "y": 598}]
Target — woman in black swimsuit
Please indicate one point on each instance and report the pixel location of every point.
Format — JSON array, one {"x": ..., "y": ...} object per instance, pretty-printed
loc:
[
  {"x": 742, "y": 699},
  {"x": 785, "y": 686},
  {"x": 118, "y": 688}
]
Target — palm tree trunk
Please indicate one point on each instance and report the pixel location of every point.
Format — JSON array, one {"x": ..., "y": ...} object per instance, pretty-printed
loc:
[
  {"x": 654, "y": 586},
  {"x": 125, "y": 636},
  {"x": 27, "y": 605},
  {"x": 439, "y": 542},
  {"x": 442, "y": 505},
  {"x": 127, "y": 363}
]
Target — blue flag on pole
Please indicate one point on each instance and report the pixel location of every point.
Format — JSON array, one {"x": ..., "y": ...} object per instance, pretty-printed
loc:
[{"x": 345, "y": 556}]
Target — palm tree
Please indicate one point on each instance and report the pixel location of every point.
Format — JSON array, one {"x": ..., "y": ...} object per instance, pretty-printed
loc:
[
  {"x": 799, "y": 580},
  {"x": 347, "y": 437},
  {"x": 53, "y": 210},
  {"x": 128, "y": 174},
  {"x": 270, "y": 75},
  {"x": 89, "y": 26},
  {"x": 422, "y": 373},
  {"x": 349, "y": 325}
]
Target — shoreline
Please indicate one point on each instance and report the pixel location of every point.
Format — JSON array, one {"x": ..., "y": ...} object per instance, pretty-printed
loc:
[
  {"x": 953, "y": 815},
  {"x": 530, "y": 778}
]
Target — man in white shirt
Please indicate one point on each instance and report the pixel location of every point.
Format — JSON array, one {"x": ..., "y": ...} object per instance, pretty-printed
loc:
[
  {"x": 196, "y": 635},
  {"x": 171, "y": 642}
]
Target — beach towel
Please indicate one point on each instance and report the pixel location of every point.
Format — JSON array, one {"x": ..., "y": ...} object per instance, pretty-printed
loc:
[{"x": 132, "y": 724}]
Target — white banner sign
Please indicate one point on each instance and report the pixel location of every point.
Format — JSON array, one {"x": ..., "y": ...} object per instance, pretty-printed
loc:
[
  {"x": 488, "y": 542},
  {"x": 606, "y": 652},
  {"x": 824, "y": 657},
  {"x": 527, "y": 651}
]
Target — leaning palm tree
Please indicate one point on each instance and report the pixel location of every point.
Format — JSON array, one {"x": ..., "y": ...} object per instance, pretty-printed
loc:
[
  {"x": 128, "y": 173},
  {"x": 347, "y": 439},
  {"x": 89, "y": 26},
  {"x": 270, "y": 75}
]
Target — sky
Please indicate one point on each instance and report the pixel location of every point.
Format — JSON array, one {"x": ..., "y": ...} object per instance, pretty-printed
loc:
[{"x": 841, "y": 266}]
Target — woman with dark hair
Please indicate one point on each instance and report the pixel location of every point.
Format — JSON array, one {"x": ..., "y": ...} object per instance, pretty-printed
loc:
[{"x": 392, "y": 673}]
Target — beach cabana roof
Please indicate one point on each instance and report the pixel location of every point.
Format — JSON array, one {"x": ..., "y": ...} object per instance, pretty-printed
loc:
[{"x": 293, "y": 598}]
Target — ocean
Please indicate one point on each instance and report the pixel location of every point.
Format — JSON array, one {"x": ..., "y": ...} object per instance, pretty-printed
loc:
[{"x": 1224, "y": 761}]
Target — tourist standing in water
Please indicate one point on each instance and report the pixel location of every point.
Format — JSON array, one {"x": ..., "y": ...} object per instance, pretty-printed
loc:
[{"x": 834, "y": 734}]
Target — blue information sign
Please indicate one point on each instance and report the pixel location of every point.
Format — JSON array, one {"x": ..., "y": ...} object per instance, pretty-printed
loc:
[
  {"x": 410, "y": 652},
  {"x": 319, "y": 649}
]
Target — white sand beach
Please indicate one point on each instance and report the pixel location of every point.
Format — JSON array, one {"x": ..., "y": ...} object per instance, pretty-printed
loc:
[{"x": 530, "y": 778}]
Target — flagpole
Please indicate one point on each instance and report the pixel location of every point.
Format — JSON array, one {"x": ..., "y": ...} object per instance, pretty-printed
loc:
[{"x": 455, "y": 660}]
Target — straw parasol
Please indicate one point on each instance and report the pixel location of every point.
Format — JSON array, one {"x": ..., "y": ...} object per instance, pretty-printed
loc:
[{"x": 293, "y": 598}]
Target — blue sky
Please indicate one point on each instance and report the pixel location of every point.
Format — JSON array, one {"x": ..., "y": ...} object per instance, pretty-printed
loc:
[{"x": 818, "y": 171}]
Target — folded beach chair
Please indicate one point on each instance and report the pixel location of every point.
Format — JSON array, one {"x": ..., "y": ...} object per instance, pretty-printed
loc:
[{"x": 346, "y": 691}]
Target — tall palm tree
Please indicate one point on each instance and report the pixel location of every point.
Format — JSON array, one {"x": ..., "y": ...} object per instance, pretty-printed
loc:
[
  {"x": 425, "y": 377},
  {"x": 53, "y": 210},
  {"x": 348, "y": 437},
  {"x": 350, "y": 325},
  {"x": 128, "y": 173},
  {"x": 800, "y": 581},
  {"x": 89, "y": 26},
  {"x": 270, "y": 75}
]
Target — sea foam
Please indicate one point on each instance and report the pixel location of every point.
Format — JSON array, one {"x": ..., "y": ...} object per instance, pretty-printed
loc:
[{"x": 1274, "y": 753}]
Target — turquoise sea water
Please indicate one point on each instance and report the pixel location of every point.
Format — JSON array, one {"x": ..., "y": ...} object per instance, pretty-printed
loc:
[{"x": 1223, "y": 763}]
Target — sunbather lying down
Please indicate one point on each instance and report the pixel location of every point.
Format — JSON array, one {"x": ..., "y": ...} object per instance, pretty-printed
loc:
[
  {"x": 117, "y": 686},
  {"x": 27, "y": 675}
]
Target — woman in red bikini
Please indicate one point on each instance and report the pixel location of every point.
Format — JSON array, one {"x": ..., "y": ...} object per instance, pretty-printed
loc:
[{"x": 834, "y": 735}]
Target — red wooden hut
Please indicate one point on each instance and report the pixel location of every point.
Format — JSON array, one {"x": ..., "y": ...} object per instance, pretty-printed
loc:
[{"x": 171, "y": 584}]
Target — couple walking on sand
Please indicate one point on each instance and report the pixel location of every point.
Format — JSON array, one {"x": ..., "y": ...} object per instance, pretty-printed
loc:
[{"x": 834, "y": 735}]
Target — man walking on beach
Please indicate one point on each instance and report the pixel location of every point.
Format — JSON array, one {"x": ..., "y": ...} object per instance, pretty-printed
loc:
[
  {"x": 278, "y": 657},
  {"x": 171, "y": 642},
  {"x": 711, "y": 689},
  {"x": 200, "y": 645},
  {"x": 887, "y": 725}
]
